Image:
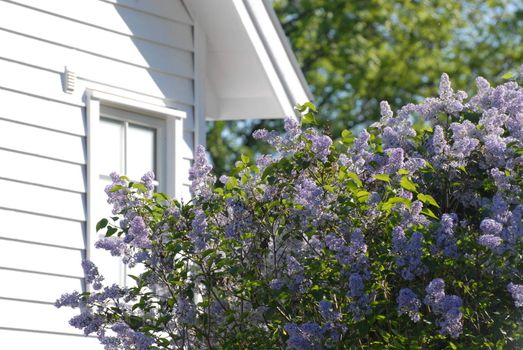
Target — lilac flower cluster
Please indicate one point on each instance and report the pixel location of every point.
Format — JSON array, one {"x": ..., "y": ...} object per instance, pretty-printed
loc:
[
  {"x": 409, "y": 253},
  {"x": 307, "y": 336},
  {"x": 445, "y": 241},
  {"x": 199, "y": 235},
  {"x": 199, "y": 174},
  {"x": 320, "y": 145},
  {"x": 130, "y": 339},
  {"x": 409, "y": 304},
  {"x": 91, "y": 274},
  {"x": 516, "y": 290},
  {"x": 447, "y": 307}
]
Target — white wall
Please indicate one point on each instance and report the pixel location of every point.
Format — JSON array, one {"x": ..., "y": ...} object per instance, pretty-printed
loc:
[{"x": 142, "y": 49}]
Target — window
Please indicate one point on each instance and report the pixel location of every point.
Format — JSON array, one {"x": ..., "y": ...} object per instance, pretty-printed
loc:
[{"x": 130, "y": 138}]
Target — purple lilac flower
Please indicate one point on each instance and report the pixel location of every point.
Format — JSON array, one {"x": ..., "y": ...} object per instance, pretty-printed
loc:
[
  {"x": 358, "y": 247},
  {"x": 130, "y": 338},
  {"x": 356, "y": 285},
  {"x": 86, "y": 321},
  {"x": 113, "y": 292},
  {"x": 447, "y": 307},
  {"x": 516, "y": 290},
  {"x": 68, "y": 299},
  {"x": 438, "y": 143},
  {"x": 91, "y": 274},
  {"x": 260, "y": 134},
  {"x": 139, "y": 233},
  {"x": 113, "y": 244},
  {"x": 297, "y": 340},
  {"x": 320, "y": 145},
  {"x": 199, "y": 174},
  {"x": 435, "y": 292},
  {"x": 198, "y": 234},
  {"x": 409, "y": 253},
  {"x": 394, "y": 160},
  {"x": 309, "y": 195},
  {"x": 276, "y": 284},
  {"x": 307, "y": 336},
  {"x": 409, "y": 304},
  {"x": 445, "y": 240},
  {"x": 464, "y": 142},
  {"x": 490, "y": 241},
  {"x": 327, "y": 311},
  {"x": 385, "y": 111},
  {"x": 147, "y": 180},
  {"x": 118, "y": 199},
  {"x": 292, "y": 127},
  {"x": 490, "y": 227}
]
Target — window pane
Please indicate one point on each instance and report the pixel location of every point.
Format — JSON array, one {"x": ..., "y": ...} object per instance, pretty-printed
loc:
[
  {"x": 110, "y": 146},
  {"x": 141, "y": 149}
]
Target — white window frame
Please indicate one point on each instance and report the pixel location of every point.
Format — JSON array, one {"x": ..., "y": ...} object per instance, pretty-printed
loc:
[{"x": 101, "y": 104}]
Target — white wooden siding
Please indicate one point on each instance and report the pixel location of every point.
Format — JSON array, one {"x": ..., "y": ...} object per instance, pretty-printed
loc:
[
  {"x": 36, "y": 316},
  {"x": 27, "y": 109},
  {"x": 16, "y": 339},
  {"x": 141, "y": 49},
  {"x": 119, "y": 19},
  {"x": 42, "y": 229},
  {"x": 40, "y": 258},
  {"x": 49, "y": 286},
  {"x": 173, "y": 10}
]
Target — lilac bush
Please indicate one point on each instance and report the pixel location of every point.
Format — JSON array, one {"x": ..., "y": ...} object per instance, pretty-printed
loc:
[{"x": 408, "y": 235}]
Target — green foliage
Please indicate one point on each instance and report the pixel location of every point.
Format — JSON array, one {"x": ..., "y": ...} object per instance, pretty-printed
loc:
[{"x": 359, "y": 52}]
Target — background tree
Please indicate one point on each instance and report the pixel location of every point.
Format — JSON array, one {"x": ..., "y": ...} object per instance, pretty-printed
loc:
[{"x": 355, "y": 53}]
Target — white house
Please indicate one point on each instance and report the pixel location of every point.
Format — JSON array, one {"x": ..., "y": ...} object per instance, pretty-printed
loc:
[{"x": 92, "y": 86}]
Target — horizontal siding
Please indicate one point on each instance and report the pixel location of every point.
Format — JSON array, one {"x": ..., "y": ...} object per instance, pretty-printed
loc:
[
  {"x": 35, "y": 316},
  {"x": 42, "y": 171},
  {"x": 36, "y": 287},
  {"x": 119, "y": 19},
  {"x": 14, "y": 339},
  {"x": 28, "y": 109},
  {"x": 36, "y": 82},
  {"x": 42, "y": 200},
  {"x": 171, "y": 9},
  {"x": 42, "y": 229},
  {"x": 94, "y": 68},
  {"x": 43, "y": 142},
  {"x": 39, "y": 258},
  {"x": 87, "y": 38}
]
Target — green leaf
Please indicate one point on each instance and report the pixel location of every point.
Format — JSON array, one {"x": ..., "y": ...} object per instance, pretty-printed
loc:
[
  {"x": 117, "y": 188},
  {"x": 308, "y": 119},
  {"x": 382, "y": 177},
  {"x": 507, "y": 75},
  {"x": 140, "y": 187},
  {"x": 429, "y": 213},
  {"x": 389, "y": 204},
  {"x": 111, "y": 231},
  {"x": 427, "y": 198},
  {"x": 403, "y": 172},
  {"x": 407, "y": 184},
  {"x": 362, "y": 196},
  {"x": 231, "y": 183},
  {"x": 307, "y": 105},
  {"x": 346, "y": 134},
  {"x": 453, "y": 346},
  {"x": 101, "y": 224},
  {"x": 355, "y": 178},
  {"x": 245, "y": 158}
]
